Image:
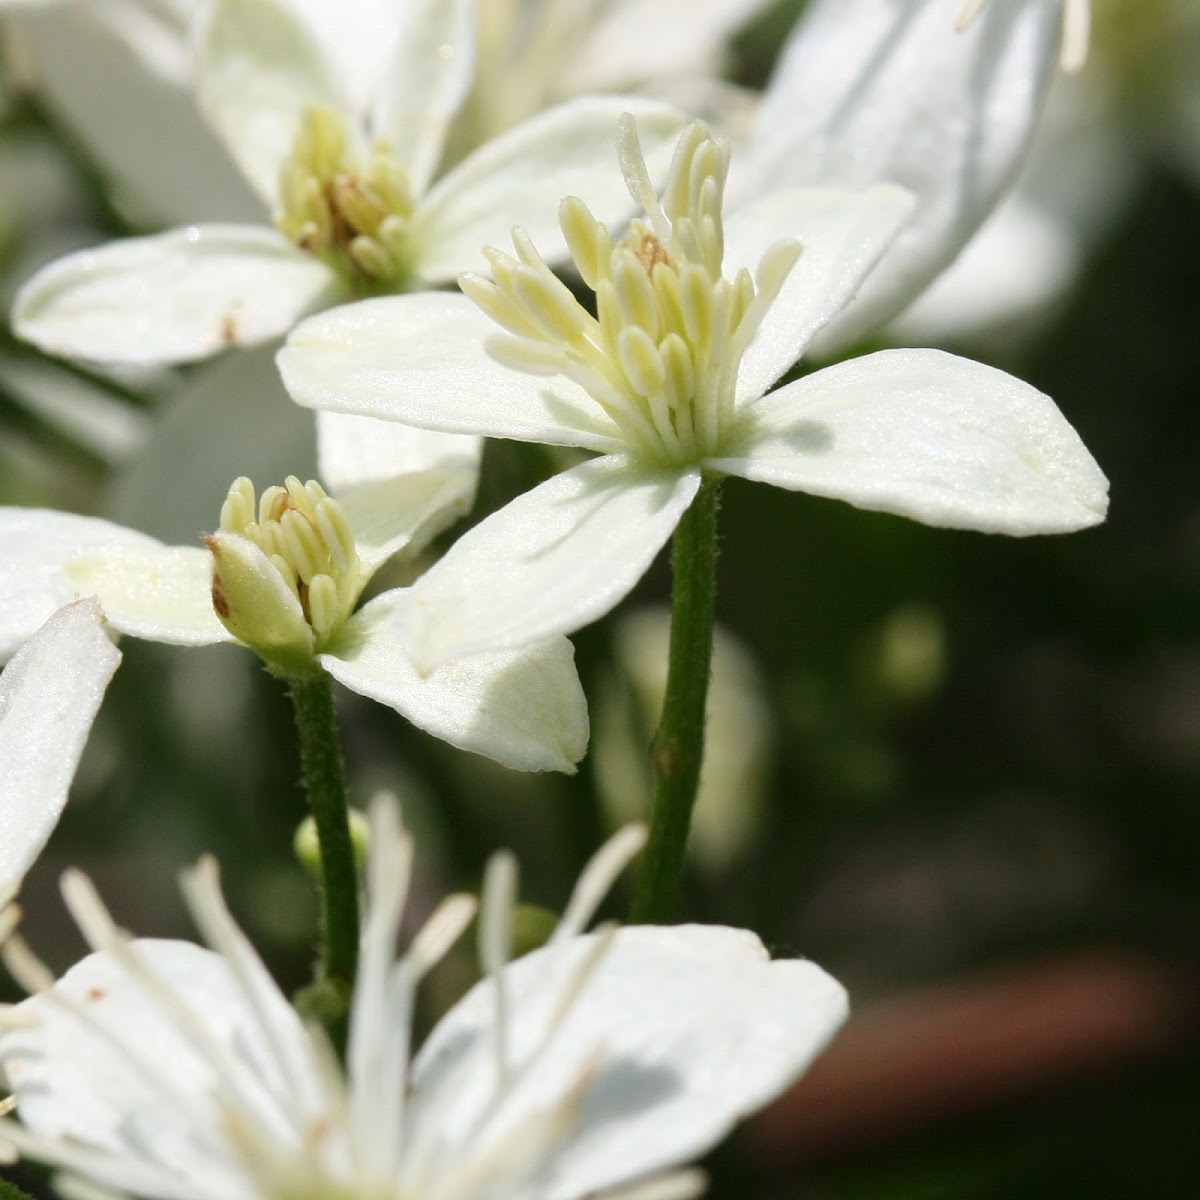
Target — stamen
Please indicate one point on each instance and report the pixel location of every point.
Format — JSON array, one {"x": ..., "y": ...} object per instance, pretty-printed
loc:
[
  {"x": 1077, "y": 32},
  {"x": 352, "y": 211},
  {"x": 24, "y": 966},
  {"x": 447, "y": 924},
  {"x": 201, "y": 890},
  {"x": 967, "y": 14},
  {"x": 377, "y": 1054},
  {"x": 597, "y": 879},
  {"x": 102, "y": 934},
  {"x": 71, "y": 1187},
  {"x": 495, "y": 937},
  {"x": 675, "y": 1185},
  {"x": 637, "y": 177},
  {"x": 38, "y": 980},
  {"x": 308, "y": 539}
]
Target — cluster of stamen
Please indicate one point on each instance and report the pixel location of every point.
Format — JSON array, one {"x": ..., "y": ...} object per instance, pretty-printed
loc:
[
  {"x": 308, "y": 540},
  {"x": 281, "y": 1122},
  {"x": 353, "y": 212},
  {"x": 660, "y": 356}
]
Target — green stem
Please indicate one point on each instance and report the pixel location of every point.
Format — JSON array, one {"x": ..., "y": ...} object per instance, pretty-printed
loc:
[
  {"x": 325, "y": 783},
  {"x": 678, "y": 747}
]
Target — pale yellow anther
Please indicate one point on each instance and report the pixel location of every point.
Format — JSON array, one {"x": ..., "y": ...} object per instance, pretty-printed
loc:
[
  {"x": 238, "y": 509},
  {"x": 496, "y": 302},
  {"x": 523, "y": 354},
  {"x": 336, "y": 204},
  {"x": 587, "y": 239},
  {"x": 640, "y": 360},
  {"x": 677, "y": 363},
  {"x": 549, "y": 304},
  {"x": 634, "y": 293},
  {"x": 370, "y": 256},
  {"x": 306, "y": 538},
  {"x": 661, "y": 355}
]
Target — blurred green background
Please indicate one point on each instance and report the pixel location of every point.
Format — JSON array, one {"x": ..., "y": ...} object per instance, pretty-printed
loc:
[{"x": 974, "y": 793}]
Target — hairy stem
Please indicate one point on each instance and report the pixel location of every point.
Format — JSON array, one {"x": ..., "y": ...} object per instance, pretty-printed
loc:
[
  {"x": 677, "y": 751},
  {"x": 325, "y": 784}
]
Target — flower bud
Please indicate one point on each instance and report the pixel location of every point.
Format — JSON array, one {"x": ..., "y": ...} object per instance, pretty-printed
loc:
[{"x": 286, "y": 572}]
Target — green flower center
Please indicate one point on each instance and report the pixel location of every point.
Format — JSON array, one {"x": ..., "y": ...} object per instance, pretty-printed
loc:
[{"x": 351, "y": 211}]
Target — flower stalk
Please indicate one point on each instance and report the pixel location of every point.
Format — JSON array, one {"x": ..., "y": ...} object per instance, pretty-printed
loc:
[
  {"x": 325, "y": 786},
  {"x": 677, "y": 752}
]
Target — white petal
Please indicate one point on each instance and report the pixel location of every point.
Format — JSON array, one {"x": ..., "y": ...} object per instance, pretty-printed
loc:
[
  {"x": 520, "y": 177},
  {"x": 398, "y": 486},
  {"x": 425, "y": 82},
  {"x": 1011, "y": 271},
  {"x": 49, "y": 696},
  {"x": 166, "y": 1135},
  {"x": 676, "y": 1035},
  {"x": 359, "y": 39},
  {"x": 259, "y": 65},
  {"x": 843, "y": 234},
  {"x": 118, "y": 95},
  {"x": 159, "y": 593},
  {"x": 35, "y": 546},
  {"x": 524, "y": 708},
  {"x": 171, "y": 298},
  {"x": 875, "y": 90},
  {"x": 551, "y": 561},
  {"x": 943, "y": 440},
  {"x": 420, "y": 360},
  {"x": 634, "y": 42}
]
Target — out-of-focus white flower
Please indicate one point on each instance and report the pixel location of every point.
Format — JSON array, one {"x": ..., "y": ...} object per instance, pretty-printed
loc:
[
  {"x": 337, "y": 116},
  {"x": 1137, "y": 103},
  {"x": 1076, "y": 29},
  {"x": 534, "y": 53},
  {"x": 738, "y": 732},
  {"x": 672, "y": 380},
  {"x": 49, "y": 695},
  {"x": 593, "y": 1066},
  {"x": 117, "y": 74},
  {"x": 284, "y": 577},
  {"x": 868, "y": 91}
]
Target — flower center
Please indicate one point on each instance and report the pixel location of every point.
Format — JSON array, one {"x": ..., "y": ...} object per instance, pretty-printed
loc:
[
  {"x": 351, "y": 211},
  {"x": 295, "y": 532},
  {"x": 661, "y": 354}
]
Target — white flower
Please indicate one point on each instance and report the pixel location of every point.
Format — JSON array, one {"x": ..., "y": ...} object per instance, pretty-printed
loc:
[
  {"x": 671, "y": 381},
  {"x": 1136, "y": 105},
  {"x": 286, "y": 575},
  {"x": 49, "y": 695},
  {"x": 872, "y": 91},
  {"x": 533, "y": 53},
  {"x": 589, "y": 1067},
  {"x": 336, "y": 114},
  {"x": 116, "y": 74}
]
